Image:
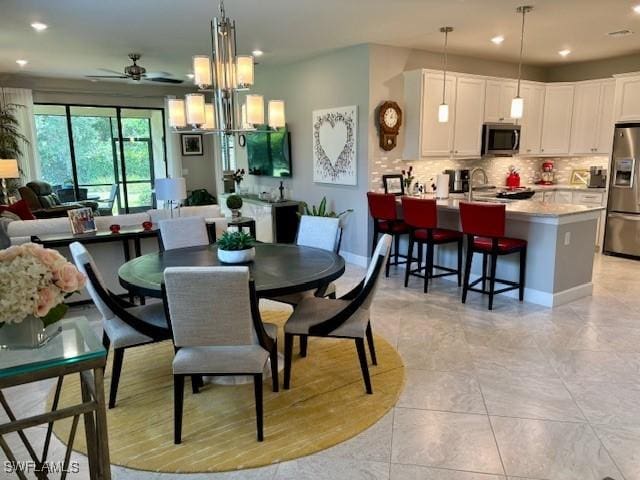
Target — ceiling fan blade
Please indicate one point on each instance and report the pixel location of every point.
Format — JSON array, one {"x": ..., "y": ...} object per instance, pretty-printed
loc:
[
  {"x": 108, "y": 70},
  {"x": 164, "y": 80},
  {"x": 106, "y": 76},
  {"x": 157, "y": 74}
]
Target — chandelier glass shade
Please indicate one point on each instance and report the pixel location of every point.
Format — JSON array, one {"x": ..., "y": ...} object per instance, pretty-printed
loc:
[{"x": 224, "y": 76}]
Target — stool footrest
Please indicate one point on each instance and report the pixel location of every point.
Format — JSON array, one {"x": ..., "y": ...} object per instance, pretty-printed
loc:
[{"x": 450, "y": 271}]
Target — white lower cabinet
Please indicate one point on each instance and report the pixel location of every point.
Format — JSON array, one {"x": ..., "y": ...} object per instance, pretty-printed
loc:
[{"x": 563, "y": 197}]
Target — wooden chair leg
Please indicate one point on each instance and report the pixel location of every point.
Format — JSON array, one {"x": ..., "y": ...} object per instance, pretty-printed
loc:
[
  {"x": 195, "y": 384},
  {"x": 362, "y": 356},
  {"x": 178, "y": 398},
  {"x": 304, "y": 342},
  {"x": 372, "y": 347},
  {"x": 273, "y": 358},
  {"x": 106, "y": 343},
  {"x": 374, "y": 241},
  {"x": 492, "y": 280},
  {"x": 484, "y": 271},
  {"x": 396, "y": 248},
  {"x": 523, "y": 269},
  {"x": 257, "y": 387},
  {"x": 460, "y": 263},
  {"x": 288, "y": 353},
  {"x": 467, "y": 272},
  {"x": 118, "y": 357},
  {"x": 407, "y": 271},
  {"x": 428, "y": 272}
]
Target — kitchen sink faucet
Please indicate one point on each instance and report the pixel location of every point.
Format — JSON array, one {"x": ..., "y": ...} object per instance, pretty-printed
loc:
[{"x": 473, "y": 172}]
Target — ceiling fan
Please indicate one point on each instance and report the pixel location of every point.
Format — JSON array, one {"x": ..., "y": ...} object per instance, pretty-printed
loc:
[{"x": 136, "y": 72}]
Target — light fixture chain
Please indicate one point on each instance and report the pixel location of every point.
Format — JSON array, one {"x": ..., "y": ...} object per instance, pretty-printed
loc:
[{"x": 524, "y": 12}]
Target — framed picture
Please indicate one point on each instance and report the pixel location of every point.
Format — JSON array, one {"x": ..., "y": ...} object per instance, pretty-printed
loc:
[
  {"x": 191, "y": 144},
  {"x": 81, "y": 220},
  {"x": 335, "y": 145},
  {"x": 580, "y": 177},
  {"x": 393, "y": 184}
]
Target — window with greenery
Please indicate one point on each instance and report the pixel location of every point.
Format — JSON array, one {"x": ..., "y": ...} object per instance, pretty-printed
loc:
[{"x": 81, "y": 152}]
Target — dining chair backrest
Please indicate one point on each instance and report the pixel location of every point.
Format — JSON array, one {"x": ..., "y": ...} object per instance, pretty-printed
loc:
[
  {"x": 483, "y": 219},
  {"x": 420, "y": 212},
  {"x": 183, "y": 232},
  {"x": 382, "y": 206},
  {"x": 112, "y": 196},
  {"x": 319, "y": 232},
  {"x": 82, "y": 257},
  {"x": 383, "y": 249},
  {"x": 209, "y": 306}
]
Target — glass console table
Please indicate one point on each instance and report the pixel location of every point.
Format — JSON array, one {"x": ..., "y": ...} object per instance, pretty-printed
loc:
[{"x": 75, "y": 350}]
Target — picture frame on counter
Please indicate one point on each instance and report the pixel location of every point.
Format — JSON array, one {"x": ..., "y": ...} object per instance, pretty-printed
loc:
[
  {"x": 393, "y": 184},
  {"x": 579, "y": 177}
]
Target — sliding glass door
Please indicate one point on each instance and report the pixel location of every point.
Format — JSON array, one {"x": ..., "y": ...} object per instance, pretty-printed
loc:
[{"x": 90, "y": 152}]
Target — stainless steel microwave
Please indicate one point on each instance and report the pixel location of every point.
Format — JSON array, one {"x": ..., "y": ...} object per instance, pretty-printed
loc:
[{"x": 500, "y": 139}]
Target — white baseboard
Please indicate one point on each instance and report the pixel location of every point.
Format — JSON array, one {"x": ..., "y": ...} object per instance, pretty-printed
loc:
[{"x": 358, "y": 260}]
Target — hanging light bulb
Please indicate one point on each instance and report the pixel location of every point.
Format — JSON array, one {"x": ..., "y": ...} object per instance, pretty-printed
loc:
[
  {"x": 443, "y": 109},
  {"x": 244, "y": 71},
  {"x": 276, "y": 114},
  {"x": 177, "y": 117},
  {"x": 517, "y": 104},
  {"x": 195, "y": 109},
  {"x": 255, "y": 109},
  {"x": 202, "y": 71}
]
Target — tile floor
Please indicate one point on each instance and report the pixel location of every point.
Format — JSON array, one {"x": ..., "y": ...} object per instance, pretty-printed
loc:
[{"x": 523, "y": 392}]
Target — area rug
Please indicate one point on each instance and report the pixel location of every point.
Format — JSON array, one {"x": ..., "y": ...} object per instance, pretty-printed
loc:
[{"x": 326, "y": 405}]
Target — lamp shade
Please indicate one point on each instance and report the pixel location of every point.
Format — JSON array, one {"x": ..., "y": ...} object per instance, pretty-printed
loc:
[
  {"x": 202, "y": 71},
  {"x": 195, "y": 109},
  {"x": 210, "y": 117},
  {"x": 9, "y": 169},
  {"x": 244, "y": 71},
  {"x": 255, "y": 109},
  {"x": 173, "y": 189},
  {"x": 276, "y": 114},
  {"x": 177, "y": 117},
  {"x": 517, "y": 107}
]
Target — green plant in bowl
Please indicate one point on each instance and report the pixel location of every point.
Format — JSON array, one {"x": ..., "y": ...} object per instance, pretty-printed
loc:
[
  {"x": 234, "y": 202},
  {"x": 235, "y": 241}
]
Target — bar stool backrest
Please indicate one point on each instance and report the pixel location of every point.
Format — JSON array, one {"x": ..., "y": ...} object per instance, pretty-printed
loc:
[
  {"x": 420, "y": 212},
  {"x": 382, "y": 206},
  {"x": 483, "y": 219}
]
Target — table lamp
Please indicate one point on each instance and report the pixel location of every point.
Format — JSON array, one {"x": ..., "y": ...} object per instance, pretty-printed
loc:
[
  {"x": 8, "y": 169},
  {"x": 171, "y": 190}
]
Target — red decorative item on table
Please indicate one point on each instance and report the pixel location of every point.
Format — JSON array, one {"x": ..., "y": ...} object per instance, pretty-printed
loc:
[
  {"x": 115, "y": 228},
  {"x": 147, "y": 225},
  {"x": 513, "y": 178}
]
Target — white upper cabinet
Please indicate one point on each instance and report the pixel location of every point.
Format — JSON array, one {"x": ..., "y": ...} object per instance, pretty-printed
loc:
[
  {"x": 627, "y": 102},
  {"x": 592, "y": 122},
  {"x": 556, "y": 120},
  {"x": 469, "y": 111},
  {"x": 531, "y": 131},
  {"x": 497, "y": 105},
  {"x": 437, "y": 138}
]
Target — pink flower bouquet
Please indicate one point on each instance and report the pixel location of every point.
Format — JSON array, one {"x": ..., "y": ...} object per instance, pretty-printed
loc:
[{"x": 35, "y": 281}]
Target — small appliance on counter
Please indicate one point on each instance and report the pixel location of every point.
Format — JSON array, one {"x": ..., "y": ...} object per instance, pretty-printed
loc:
[
  {"x": 458, "y": 180},
  {"x": 597, "y": 177},
  {"x": 521, "y": 193},
  {"x": 548, "y": 175},
  {"x": 513, "y": 178}
]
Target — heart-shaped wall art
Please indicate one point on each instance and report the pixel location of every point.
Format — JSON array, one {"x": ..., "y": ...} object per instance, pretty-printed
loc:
[{"x": 334, "y": 146}]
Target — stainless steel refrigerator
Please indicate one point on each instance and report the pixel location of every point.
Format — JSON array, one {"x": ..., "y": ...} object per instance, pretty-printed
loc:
[{"x": 622, "y": 234}]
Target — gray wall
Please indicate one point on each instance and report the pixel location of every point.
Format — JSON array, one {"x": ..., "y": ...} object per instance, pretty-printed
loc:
[
  {"x": 594, "y": 69},
  {"x": 336, "y": 79}
]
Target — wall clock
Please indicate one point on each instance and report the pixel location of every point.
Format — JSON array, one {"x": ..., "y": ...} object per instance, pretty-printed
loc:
[{"x": 389, "y": 121}]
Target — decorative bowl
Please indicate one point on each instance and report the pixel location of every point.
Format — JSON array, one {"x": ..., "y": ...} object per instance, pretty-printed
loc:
[{"x": 237, "y": 256}]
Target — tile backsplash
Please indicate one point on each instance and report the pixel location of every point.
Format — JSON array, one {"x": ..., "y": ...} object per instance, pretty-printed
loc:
[{"x": 496, "y": 168}]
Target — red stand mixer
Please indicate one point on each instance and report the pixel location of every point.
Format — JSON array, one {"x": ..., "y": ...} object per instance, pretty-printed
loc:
[{"x": 548, "y": 174}]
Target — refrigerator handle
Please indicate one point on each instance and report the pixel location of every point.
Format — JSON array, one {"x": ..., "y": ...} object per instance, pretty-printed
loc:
[{"x": 635, "y": 218}]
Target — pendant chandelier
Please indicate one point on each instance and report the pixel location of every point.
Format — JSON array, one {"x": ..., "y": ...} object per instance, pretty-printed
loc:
[
  {"x": 517, "y": 104},
  {"x": 222, "y": 76},
  {"x": 443, "y": 109}
]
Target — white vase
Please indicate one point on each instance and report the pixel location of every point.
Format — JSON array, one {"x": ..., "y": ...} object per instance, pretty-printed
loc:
[
  {"x": 237, "y": 256},
  {"x": 30, "y": 333}
]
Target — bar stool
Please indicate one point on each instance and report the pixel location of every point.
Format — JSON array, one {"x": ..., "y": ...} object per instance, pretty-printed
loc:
[
  {"x": 484, "y": 226},
  {"x": 421, "y": 216},
  {"x": 384, "y": 211}
]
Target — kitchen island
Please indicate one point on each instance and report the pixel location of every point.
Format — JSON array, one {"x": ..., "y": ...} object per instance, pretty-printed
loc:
[{"x": 561, "y": 238}]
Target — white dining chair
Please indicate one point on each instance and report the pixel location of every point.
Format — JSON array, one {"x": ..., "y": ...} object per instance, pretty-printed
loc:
[{"x": 183, "y": 232}]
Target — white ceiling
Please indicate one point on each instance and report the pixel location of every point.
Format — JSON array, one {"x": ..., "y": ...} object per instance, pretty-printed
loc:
[{"x": 84, "y": 35}]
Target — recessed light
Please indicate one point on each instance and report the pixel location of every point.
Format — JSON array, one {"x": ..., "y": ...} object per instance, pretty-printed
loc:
[
  {"x": 564, "y": 53},
  {"x": 636, "y": 9},
  {"x": 190, "y": 76},
  {"x": 39, "y": 26},
  {"x": 498, "y": 39},
  {"x": 257, "y": 53},
  {"x": 21, "y": 62}
]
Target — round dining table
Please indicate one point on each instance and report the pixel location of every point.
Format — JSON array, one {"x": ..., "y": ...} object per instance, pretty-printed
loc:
[{"x": 278, "y": 269}]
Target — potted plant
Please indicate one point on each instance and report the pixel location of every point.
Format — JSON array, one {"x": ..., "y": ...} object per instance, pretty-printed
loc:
[
  {"x": 10, "y": 139},
  {"x": 236, "y": 247},
  {"x": 34, "y": 282},
  {"x": 234, "y": 203},
  {"x": 322, "y": 211}
]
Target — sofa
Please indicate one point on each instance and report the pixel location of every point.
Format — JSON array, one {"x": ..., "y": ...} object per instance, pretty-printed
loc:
[
  {"x": 45, "y": 203},
  {"x": 109, "y": 256}
]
